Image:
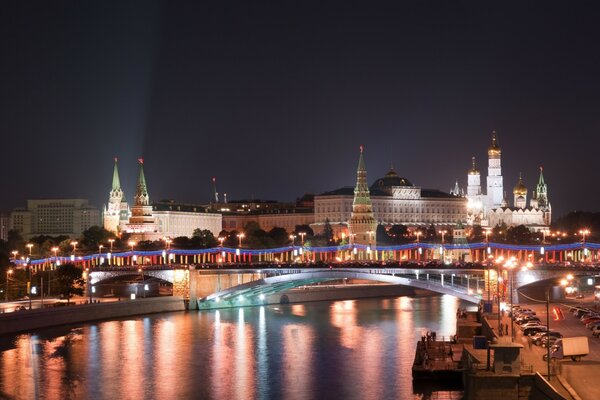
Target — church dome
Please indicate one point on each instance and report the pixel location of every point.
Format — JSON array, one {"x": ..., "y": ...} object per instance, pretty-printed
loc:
[
  {"x": 389, "y": 180},
  {"x": 494, "y": 149},
  {"x": 520, "y": 189}
]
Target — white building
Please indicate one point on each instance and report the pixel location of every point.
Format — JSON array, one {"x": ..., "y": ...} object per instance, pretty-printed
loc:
[
  {"x": 54, "y": 217},
  {"x": 116, "y": 212},
  {"x": 394, "y": 200},
  {"x": 492, "y": 208},
  {"x": 175, "y": 219}
]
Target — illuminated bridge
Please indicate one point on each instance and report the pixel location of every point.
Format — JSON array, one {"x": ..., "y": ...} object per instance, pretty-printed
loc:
[{"x": 212, "y": 287}]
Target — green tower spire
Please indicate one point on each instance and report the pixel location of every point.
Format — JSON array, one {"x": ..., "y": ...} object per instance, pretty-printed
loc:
[
  {"x": 141, "y": 193},
  {"x": 116, "y": 183},
  {"x": 361, "y": 191},
  {"x": 362, "y": 225}
]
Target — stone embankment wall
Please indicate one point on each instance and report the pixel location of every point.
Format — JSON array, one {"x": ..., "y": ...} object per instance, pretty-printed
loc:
[
  {"x": 340, "y": 292},
  {"x": 44, "y": 318}
]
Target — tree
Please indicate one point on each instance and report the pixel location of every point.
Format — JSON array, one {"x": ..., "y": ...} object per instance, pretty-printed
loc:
[
  {"x": 95, "y": 236},
  {"x": 519, "y": 235},
  {"x": 203, "y": 238},
  {"x": 328, "y": 232},
  {"x": 382, "y": 235},
  {"x": 304, "y": 229},
  {"x": 69, "y": 281},
  {"x": 477, "y": 234},
  {"x": 280, "y": 236},
  {"x": 430, "y": 233},
  {"x": 499, "y": 232},
  {"x": 398, "y": 233}
]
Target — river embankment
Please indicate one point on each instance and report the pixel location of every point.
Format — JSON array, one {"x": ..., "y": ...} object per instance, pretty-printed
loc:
[{"x": 29, "y": 320}]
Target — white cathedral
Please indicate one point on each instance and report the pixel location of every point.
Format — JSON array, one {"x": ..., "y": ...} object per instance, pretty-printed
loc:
[{"x": 492, "y": 209}]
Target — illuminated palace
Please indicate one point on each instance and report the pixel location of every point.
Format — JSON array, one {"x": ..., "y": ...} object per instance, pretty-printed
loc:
[
  {"x": 152, "y": 221},
  {"x": 391, "y": 200},
  {"x": 492, "y": 209}
]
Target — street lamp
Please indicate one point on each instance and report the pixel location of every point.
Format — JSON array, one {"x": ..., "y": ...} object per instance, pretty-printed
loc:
[
  {"x": 8, "y": 273},
  {"x": 443, "y": 233},
  {"x": 370, "y": 233},
  {"x": 74, "y": 244},
  {"x": 584, "y": 233},
  {"x": 111, "y": 241},
  {"x": 30, "y": 246},
  {"x": 302, "y": 234},
  {"x": 240, "y": 237},
  {"x": 14, "y": 253},
  {"x": 132, "y": 243},
  {"x": 221, "y": 240},
  {"x": 141, "y": 271},
  {"x": 418, "y": 234},
  {"x": 292, "y": 238}
]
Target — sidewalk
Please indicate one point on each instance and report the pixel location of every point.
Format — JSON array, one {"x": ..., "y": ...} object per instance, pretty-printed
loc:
[{"x": 531, "y": 355}]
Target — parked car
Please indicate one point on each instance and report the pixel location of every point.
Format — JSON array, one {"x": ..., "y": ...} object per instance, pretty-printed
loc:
[
  {"x": 538, "y": 337},
  {"x": 527, "y": 320},
  {"x": 549, "y": 341},
  {"x": 532, "y": 330}
]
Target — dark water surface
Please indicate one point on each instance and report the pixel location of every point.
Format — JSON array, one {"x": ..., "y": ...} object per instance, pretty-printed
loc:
[{"x": 354, "y": 349}]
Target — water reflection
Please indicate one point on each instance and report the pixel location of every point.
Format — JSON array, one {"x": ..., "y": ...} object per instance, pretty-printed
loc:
[{"x": 343, "y": 349}]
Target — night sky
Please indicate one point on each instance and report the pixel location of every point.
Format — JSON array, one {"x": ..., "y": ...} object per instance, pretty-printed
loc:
[{"x": 275, "y": 99}]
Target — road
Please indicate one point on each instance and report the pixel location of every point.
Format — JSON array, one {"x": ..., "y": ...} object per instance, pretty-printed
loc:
[{"x": 581, "y": 376}]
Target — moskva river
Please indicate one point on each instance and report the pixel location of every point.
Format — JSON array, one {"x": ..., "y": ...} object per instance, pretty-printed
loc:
[{"x": 354, "y": 349}]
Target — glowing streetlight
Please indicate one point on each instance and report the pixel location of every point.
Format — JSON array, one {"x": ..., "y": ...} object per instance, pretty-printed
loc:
[
  {"x": 443, "y": 233},
  {"x": 370, "y": 233},
  {"x": 74, "y": 244},
  {"x": 418, "y": 234},
  {"x": 29, "y": 246},
  {"x": 111, "y": 241},
  {"x": 292, "y": 238},
  {"x": 221, "y": 240},
  {"x": 240, "y": 237},
  {"x": 584, "y": 233},
  {"x": 487, "y": 235},
  {"x": 302, "y": 234},
  {"x": 8, "y": 273}
]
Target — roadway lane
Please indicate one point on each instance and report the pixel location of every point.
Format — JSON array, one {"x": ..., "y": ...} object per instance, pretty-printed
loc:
[{"x": 583, "y": 375}]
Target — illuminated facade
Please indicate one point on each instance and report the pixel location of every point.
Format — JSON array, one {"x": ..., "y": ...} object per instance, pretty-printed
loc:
[
  {"x": 394, "y": 200},
  {"x": 116, "y": 212},
  {"x": 54, "y": 217},
  {"x": 492, "y": 208},
  {"x": 362, "y": 226}
]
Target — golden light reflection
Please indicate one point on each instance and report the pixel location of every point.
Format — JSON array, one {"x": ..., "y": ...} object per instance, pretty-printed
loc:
[
  {"x": 298, "y": 343},
  {"x": 131, "y": 359},
  {"x": 299, "y": 310},
  {"x": 165, "y": 358},
  {"x": 343, "y": 316}
]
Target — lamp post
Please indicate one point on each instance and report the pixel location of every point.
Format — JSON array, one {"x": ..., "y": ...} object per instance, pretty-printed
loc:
[
  {"x": 8, "y": 273},
  {"x": 240, "y": 237},
  {"x": 30, "y": 246},
  {"x": 141, "y": 271},
  {"x": 74, "y": 244},
  {"x": 221, "y": 240},
  {"x": 418, "y": 234},
  {"x": 302, "y": 234},
  {"x": 292, "y": 238},
  {"x": 111, "y": 241},
  {"x": 131, "y": 243}
]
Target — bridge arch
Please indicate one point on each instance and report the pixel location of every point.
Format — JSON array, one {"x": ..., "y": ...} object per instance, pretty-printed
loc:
[{"x": 254, "y": 292}]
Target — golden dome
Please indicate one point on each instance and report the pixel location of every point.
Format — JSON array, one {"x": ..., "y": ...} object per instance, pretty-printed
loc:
[
  {"x": 494, "y": 149},
  {"x": 520, "y": 189}
]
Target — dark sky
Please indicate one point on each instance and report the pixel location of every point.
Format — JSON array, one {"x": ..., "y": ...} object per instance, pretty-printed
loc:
[{"x": 274, "y": 99}]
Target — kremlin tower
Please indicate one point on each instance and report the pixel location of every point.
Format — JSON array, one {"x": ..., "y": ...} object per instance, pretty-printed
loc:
[{"x": 362, "y": 226}]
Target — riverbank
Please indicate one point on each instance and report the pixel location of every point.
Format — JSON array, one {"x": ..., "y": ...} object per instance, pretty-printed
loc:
[
  {"x": 43, "y": 318},
  {"x": 344, "y": 292}
]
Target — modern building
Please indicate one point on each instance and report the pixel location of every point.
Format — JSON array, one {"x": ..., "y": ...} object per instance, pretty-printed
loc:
[
  {"x": 54, "y": 217},
  {"x": 492, "y": 208},
  {"x": 394, "y": 200},
  {"x": 4, "y": 226}
]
